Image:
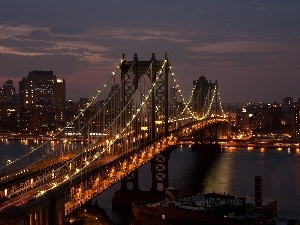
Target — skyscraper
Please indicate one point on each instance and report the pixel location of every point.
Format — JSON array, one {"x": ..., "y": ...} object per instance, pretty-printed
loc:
[
  {"x": 295, "y": 120},
  {"x": 8, "y": 91},
  {"x": 41, "y": 88},
  {"x": 60, "y": 93}
]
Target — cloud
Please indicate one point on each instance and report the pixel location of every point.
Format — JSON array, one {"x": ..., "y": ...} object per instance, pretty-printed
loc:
[
  {"x": 211, "y": 37},
  {"x": 14, "y": 30},
  {"x": 38, "y": 43},
  {"x": 67, "y": 30},
  {"x": 17, "y": 65},
  {"x": 134, "y": 34},
  {"x": 239, "y": 46}
]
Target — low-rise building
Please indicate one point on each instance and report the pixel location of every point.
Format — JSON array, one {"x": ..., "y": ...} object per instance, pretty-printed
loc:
[{"x": 208, "y": 209}]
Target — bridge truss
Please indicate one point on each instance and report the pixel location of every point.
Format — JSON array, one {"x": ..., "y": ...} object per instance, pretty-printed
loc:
[{"x": 130, "y": 120}]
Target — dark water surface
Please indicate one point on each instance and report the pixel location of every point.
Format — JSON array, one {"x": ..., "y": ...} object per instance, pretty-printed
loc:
[{"x": 232, "y": 172}]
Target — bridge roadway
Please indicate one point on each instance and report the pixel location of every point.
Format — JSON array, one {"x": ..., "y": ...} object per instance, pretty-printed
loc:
[{"x": 92, "y": 178}]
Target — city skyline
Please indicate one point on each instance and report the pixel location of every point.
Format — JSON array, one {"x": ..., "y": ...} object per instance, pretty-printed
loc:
[{"x": 251, "y": 48}]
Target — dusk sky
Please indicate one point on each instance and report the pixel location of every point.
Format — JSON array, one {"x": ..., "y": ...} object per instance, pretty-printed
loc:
[{"x": 251, "y": 47}]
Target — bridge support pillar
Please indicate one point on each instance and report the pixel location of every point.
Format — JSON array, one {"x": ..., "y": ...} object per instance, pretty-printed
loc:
[
  {"x": 203, "y": 146},
  {"x": 213, "y": 134},
  {"x": 55, "y": 214},
  {"x": 160, "y": 170},
  {"x": 32, "y": 219},
  {"x": 200, "y": 137},
  {"x": 43, "y": 217},
  {"x": 124, "y": 197},
  {"x": 131, "y": 178}
]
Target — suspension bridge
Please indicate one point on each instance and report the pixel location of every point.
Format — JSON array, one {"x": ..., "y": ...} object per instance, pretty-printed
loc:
[{"x": 138, "y": 115}]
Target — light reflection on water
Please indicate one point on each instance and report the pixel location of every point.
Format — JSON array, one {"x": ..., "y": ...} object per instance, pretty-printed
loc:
[
  {"x": 14, "y": 150},
  {"x": 219, "y": 177},
  {"x": 234, "y": 173}
]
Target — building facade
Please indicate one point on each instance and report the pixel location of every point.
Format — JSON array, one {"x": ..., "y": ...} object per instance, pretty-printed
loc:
[
  {"x": 295, "y": 120},
  {"x": 7, "y": 92},
  {"x": 41, "y": 88},
  {"x": 42, "y": 100},
  {"x": 268, "y": 117}
]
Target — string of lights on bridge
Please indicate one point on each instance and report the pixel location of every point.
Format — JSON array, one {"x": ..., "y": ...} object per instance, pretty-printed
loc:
[{"x": 111, "y": 140}]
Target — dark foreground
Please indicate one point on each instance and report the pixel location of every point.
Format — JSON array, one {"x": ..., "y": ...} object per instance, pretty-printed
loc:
[{"x": 89, "y": 215}]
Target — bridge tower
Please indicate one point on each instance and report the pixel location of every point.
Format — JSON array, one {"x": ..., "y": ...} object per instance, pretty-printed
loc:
[
  {"x": 158, "y": 73},
  {"x": 132, "y": 74},
  {"x": 213, "y": 130},
  {"x": 213, "y": 106}
]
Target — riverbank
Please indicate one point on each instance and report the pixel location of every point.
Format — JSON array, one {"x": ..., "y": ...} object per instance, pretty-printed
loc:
[{"x": 294, "y": 144}]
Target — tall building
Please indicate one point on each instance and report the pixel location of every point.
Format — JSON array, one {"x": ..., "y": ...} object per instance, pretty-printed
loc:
[
  {"x": 60, "y": 93},
  {"x": 268, "y": 117},
  {"x": 8, "y": 107},
  {"x": 295, "y": 120},
  {"x": 41, "y": 88},
  {"x": 286, "y": 109},
  {"x": 243, "y": 118},
  {"x": 7, "y": 92}
]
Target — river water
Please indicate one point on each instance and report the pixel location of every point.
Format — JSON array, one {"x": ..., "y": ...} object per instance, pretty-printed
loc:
[{"x": 232, "y": 172}]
